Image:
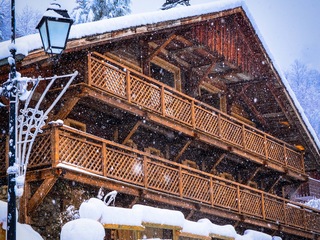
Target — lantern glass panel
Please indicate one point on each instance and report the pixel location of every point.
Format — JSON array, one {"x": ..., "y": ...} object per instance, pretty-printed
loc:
[
  {"x": 58, "y": 33},
  {"x": 44, "y": 35}
]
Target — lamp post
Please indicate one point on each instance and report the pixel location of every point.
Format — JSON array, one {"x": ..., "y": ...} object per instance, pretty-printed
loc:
[{"x": 54, "y": 29}]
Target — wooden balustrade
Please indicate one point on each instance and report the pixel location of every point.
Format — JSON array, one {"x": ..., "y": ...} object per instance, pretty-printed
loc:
[
  {"x": 151, "y": 95},
  {"x": 119, "y": 162}
]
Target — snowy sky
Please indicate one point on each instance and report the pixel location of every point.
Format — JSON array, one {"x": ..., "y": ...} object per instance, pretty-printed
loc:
[{"x": 289, "y": 27}]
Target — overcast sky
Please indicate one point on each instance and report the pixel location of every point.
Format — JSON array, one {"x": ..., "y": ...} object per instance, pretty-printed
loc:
[{"x": 290, "y": 28}]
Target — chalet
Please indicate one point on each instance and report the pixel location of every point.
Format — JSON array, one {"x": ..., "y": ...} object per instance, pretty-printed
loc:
[{"x": 183, "y": 109}]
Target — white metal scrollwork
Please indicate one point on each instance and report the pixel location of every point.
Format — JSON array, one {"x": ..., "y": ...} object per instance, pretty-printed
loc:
[{"x": 31, "y": 120}]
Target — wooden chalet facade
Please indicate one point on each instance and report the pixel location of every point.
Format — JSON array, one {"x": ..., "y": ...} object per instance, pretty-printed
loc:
[{"x": 189, "y": 113}]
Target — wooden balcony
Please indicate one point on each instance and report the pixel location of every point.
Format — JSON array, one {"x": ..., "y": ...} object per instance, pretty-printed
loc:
[
  {"x": 158, "y": 99},
  {"x": 67, "y": 148}
]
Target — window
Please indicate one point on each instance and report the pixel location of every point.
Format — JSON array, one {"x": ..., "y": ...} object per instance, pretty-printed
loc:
[
  {"x": 212, "y": 96},
  {"x": 165, "y": 72}
]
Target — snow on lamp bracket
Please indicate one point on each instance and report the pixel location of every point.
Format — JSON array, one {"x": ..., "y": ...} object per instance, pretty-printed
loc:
[{"x": 54, "y": 28}]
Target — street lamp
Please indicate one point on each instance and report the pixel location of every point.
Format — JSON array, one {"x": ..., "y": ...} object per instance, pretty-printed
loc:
[{"x": 54, "y": 29}]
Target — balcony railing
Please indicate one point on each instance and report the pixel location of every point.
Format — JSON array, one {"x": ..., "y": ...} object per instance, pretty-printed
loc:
[
  {"x": 151, "y": 95},
  {"x": 59, "y": 147}
]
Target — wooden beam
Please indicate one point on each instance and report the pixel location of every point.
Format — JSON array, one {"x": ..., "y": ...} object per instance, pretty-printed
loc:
[
  {"x": 192, "y": 211},
  {"x": 182, "y": 150},
  {"x": 71, "y": 100},
  {"x": 134, "y": 201},
  {"x": 171, "y": 56},
  {"x": 133, "y": 130},
  {"x": 219, "y": 160},
  {"x": 253, "y": 109},
  {"x": 254, "y": 174},
  {"x": 208, "y": 70},
  {"x": 160, "y": 48},
  {"x": 276, "y": 95},
  {"x": 275, "y": 183},
  {"x": 41, "y": 193}
]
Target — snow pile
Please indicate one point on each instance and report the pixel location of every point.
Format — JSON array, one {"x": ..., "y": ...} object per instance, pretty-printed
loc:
[
  {"x": 160, "y": 216},
  {"x": 124, "y": 216},
  {"x": 197, "y": 228},
  {"x": 94, "y": 212},
  {"x": 24, "y": 231},
  {"x": 82, "y": 229},
  {"x": 255, "y": 235},
  {"x": 226, "y": 230}
]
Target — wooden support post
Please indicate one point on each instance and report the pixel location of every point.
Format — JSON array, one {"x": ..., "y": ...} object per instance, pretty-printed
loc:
[
  {"x": 219, "y": 125},
  {"x": 285, "y": 155},
  {"x": 304, "y": 219},
  {"x": 285, "y": 212},
  {"x": 182, "y": 150},
  {"x": 163, "y": 102},
  {"x": 89, "y": 69},
  {"x": 265, "y": 146},
  {"x": 211, "y": 192},
  {"x": 244, "y": 137},
  {"x": 55, "y": 146},
  {"x": 302, "y": 161},
  {"x": 238, "y": 199},
  {"x": 193, "y": 116},
  {"x": 104, "y": 158},
  {"x": 145, "y": 171},
  {"x": 263, "y": 210},
  {"x": 180, "y": 182},
  {"x": 23, "y": 211},
  {"x": 41, "y": 193},
  {"x": 128, "y": 86}
]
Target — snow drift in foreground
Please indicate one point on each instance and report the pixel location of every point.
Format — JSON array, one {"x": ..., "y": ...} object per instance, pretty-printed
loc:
[{"x": 24, "y": 231}]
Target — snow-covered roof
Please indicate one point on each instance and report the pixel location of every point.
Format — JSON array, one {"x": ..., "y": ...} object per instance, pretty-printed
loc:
[
  {"x": 30, "y": 43},
  {"x": 33, "y": 42}
]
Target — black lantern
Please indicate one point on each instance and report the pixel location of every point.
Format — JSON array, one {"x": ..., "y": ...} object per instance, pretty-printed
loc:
[{"x": 54, "y": 28}]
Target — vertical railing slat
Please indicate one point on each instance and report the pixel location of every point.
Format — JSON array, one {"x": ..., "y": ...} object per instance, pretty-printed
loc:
[{"x": 55, "y": 146}]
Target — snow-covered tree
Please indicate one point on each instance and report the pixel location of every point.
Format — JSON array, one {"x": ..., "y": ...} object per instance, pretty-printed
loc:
[
  {"x": 305, "y": 83},
  {"x": 94, "y": 10},
  {"x": 26, "y": 21},
  {"x": 173, "y": 3},
  {"x": 117, "y": 8},
  {"x": 5, "y": 23},
  {"x": 82, "y": 12}
]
